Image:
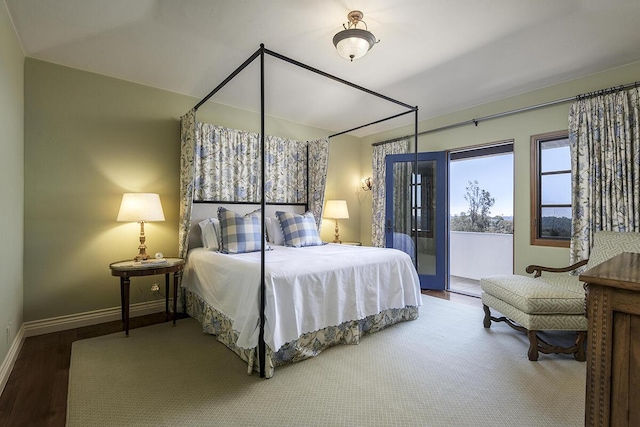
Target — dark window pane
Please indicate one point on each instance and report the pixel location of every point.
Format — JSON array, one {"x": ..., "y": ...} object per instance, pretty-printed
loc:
[
  {"x": 555, "y": 189},
  {"x": 555, "y": 223}
]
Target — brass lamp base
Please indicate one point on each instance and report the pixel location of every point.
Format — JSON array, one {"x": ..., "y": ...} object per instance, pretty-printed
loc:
[
  {"x": 141, "y": 256},
  {"x": 142, "y": 249},
  {"x": 337, "y": 235}
]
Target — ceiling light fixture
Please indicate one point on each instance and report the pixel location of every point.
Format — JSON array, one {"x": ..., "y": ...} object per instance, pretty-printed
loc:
[{"x": 353, "y": 43}]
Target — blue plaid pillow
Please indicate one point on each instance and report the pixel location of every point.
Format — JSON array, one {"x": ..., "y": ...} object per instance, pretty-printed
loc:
[
  {"x": 299, "y": 230},
  {"x": 240, "y": 234}
]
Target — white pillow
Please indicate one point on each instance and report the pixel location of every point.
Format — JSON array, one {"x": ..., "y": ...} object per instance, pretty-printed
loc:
[
  {"x": 274, "y": 231},
  {"x": 210, "y": 233}
]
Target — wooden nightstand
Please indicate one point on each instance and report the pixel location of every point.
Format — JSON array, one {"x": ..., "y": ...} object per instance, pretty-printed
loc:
[
  {"x": 352, "y": 243},
  {"x": 127, "y": 269}
]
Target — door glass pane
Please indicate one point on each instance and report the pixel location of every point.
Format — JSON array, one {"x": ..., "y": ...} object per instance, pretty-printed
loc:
[
  {"x": 402, "y": 202},
  {"x": 414, "y": 198},
  {"x": 426, "y": 208}
]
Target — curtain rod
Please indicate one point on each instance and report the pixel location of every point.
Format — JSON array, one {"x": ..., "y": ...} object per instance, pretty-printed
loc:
[{"x": 511, "y": 112}]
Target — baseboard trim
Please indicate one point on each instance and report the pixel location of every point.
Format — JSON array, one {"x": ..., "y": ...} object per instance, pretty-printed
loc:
[
  {"x": 10, "y": 359},
  {"x": 72, "y": 321}
]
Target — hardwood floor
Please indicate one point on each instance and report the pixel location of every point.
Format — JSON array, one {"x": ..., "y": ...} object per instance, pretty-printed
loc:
[
  {"x": 455, "y": 297},
  {"x": 36, "y": 392}
]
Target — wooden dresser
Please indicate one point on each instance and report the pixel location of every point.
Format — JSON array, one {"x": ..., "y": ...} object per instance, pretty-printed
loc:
[{"x": 613, "y": 353}]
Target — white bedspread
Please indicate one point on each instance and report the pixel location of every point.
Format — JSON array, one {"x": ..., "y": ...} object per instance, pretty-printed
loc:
[{"x": 307, "y": 289}]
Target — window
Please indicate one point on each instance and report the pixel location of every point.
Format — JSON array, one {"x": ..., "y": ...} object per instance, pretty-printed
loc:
[{"x": 550, "y": 189}]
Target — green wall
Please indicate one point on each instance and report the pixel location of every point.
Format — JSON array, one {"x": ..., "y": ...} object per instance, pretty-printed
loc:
[
  {"x": 519, "y": 128},
  {"x": 90, "y": 138},
  {"x": 11, "y": 181}
]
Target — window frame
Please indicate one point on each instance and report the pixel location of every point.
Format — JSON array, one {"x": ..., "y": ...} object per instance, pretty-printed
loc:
[{"x": 536, "y": 197}]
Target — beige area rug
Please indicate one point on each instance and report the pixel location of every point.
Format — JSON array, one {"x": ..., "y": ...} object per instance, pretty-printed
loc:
[{"x": 443, "y": 369}]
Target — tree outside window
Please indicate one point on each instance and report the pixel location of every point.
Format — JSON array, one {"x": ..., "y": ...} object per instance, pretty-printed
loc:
[{"x": 477, "y": 218}]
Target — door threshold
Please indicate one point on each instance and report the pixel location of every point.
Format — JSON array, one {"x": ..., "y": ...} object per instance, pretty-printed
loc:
[{"x": 468, "y": 294}]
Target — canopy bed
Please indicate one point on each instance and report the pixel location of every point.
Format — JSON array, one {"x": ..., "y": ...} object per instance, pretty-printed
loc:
[{"x": 257, "y": 275}]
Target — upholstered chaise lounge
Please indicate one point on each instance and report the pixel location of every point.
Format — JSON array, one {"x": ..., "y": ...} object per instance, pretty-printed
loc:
[{"x": 553, "y": 302}]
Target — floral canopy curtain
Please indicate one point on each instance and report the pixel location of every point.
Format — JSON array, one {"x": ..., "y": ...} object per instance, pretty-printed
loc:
[
  {"x": 227, "y": 166},
  {"x": 604, "y": 136},
  {"x": 318, "y": 164},
  {"x": 223, "y": 164},
  {"x": 379, "y": 191},
  {"x": 187, "y": 168}
]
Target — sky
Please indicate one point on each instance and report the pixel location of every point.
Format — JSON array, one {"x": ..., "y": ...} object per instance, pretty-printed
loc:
[{"x": 493, "y": 173}]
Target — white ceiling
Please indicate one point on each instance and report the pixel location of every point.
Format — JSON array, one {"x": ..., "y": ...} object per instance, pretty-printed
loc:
[{"x": 439, "y": 55}]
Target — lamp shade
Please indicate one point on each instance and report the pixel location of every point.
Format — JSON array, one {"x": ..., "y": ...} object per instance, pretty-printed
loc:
[
  {"x": 140, "y": 207},
  {"x": 336, "y": 209}
]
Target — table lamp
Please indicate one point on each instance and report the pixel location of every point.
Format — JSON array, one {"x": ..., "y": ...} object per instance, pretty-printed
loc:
[
  {"x": 336, "y": 209},
  {"x": 141, "y": 207}
]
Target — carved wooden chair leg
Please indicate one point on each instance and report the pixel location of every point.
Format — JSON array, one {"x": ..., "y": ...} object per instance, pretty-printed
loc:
[
  {"x": 580, "y": 354},
  {"x": 487, "y": 316},
  {"x": 533, "y": 345}
]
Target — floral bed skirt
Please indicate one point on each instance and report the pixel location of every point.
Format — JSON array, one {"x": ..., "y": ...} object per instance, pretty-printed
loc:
[{"x": 306, "y": 346}]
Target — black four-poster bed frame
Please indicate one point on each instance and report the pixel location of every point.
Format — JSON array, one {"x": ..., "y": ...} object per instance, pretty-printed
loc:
[{"x": 260, "y": 53}]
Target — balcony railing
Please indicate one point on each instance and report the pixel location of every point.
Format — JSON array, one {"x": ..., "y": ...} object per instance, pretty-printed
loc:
[{"x": 477, "y": 255}]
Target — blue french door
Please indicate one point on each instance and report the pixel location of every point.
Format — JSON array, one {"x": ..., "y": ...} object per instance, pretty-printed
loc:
[{"x": 416, "y": 213}]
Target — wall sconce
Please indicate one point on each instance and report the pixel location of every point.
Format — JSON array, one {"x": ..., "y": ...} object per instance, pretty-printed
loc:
[
  {"x": 367, "y": 184},
  {"x": 141, "y": 207}
]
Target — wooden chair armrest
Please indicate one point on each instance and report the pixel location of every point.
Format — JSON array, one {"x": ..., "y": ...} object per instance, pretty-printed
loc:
[{"x": 538, "y": 269}]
